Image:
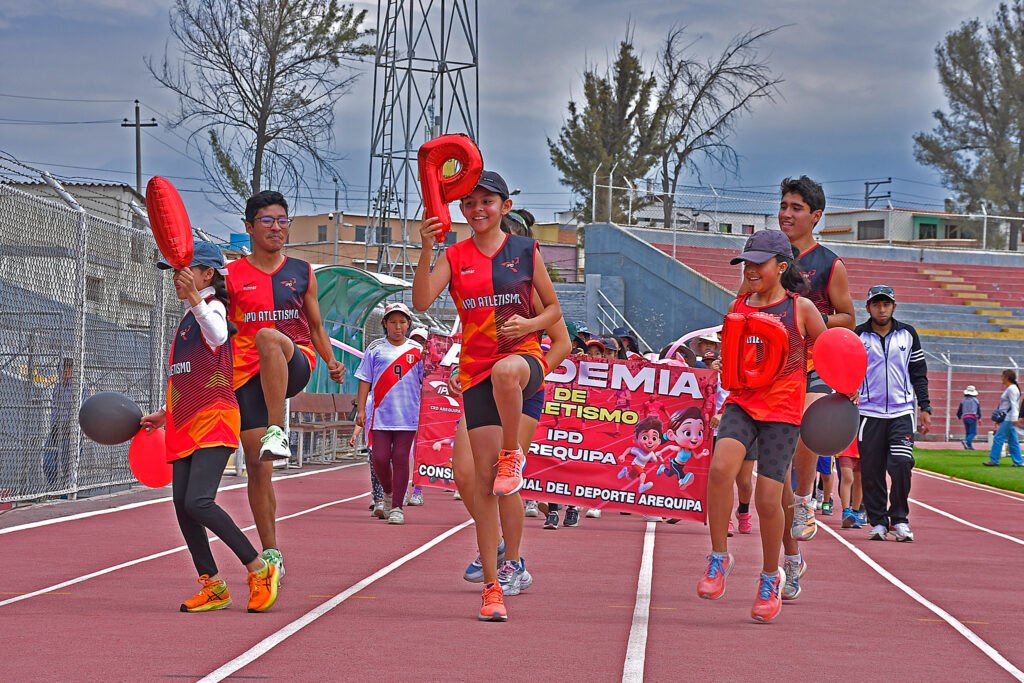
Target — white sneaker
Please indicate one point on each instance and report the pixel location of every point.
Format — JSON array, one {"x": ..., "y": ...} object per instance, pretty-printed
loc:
[
  {"x": 508, "y": 578},
  {"x": 902, "y": 532},
  {"x": 531, "y": 509},
  {"x": 416, "y": 498},
  {"x": 456, "y": 496},
  {"x": 879, "y": 533},
  {"x": 804, "y": 525},
  {"x": 387, "y": 508},
  {"x": 396, "y": 516},
  {"x": 594, "y": 513},
  {"x": 275, "y": 444},
  {"x": 378, "y": 509}
]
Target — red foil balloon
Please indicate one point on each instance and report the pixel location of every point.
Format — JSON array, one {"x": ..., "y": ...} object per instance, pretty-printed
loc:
[
  {"x": 147, "y": 457},
  {"x": 732, "y": 357},
  {"x": 774, "y": 349},
  {"x": 169, "y": 221},
  {"x": 840, "y": 359},
  {"x": 439, "y": 191}
]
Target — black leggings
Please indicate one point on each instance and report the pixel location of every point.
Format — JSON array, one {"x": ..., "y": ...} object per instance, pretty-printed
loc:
[{"x": 196, "y": 479}]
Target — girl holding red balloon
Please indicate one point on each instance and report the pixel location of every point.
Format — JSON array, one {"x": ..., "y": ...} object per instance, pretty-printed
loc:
[
  {"x": 491, "y": 277},
  {"x": 764, "y": 407},
  {"x": 202, "y": 428}
]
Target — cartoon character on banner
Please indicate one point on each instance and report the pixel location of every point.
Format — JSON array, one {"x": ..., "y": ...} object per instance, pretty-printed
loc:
[
  {"x": 686, "y": 430},
  {"x": 445, "y": 443},
  {"x": 754, "y": 350},
  {"x": 647, "y": 437},
  {"x": 622, "y": 404}
]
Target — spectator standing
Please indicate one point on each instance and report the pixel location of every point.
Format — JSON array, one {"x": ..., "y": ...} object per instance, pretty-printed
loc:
[
  {"x": 57, "y": 451},
  {"x": 969, "y": 412},
  {"x": 1005, "y": 415},
  {"x": 896, "y": 373}
]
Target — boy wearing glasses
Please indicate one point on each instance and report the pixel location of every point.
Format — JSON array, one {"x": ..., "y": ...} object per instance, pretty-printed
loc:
[{"x": 273, "y": 303}]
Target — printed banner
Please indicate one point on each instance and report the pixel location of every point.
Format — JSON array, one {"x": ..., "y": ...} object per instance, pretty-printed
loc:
[{"x": 626, "y": 436}]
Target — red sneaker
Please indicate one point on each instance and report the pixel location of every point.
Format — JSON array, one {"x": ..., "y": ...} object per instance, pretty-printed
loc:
[
  {"x": 743, "y": 522},
  {"x": 732, "y": 528},
  {"x": 769, "y": 597},
  {"x": 712, "y": 585},
  {"x": 493, "y": 607},
  {"x": 510, "y": 472}
]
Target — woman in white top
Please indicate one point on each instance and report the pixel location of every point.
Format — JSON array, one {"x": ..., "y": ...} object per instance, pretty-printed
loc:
[{"x": 1008, "y": 402}]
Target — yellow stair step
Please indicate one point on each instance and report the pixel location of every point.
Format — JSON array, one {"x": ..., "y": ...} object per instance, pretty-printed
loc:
[
  {"x": 974, "y": 334},
  {"x": 949, "y": 285},
  {"x": 990, "y": 304},
  {"x": 995, "y": 312},
  {"x": 970, "y": 295},
  {"x": 945, "y": 278},
  {"x": 1004, "y": 321},
  {"x": 932, "y": 271}
]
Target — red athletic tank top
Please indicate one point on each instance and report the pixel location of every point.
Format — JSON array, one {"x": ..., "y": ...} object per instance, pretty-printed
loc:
[
  {"x": 783, "y": 399},
  {"x": 487, "y": 292},
  {"x": 202, "y": 411},
  {"x": 817, "y": 264},
  {"x": 261, "y": 300}
]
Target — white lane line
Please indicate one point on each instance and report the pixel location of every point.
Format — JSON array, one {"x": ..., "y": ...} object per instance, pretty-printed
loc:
[
  {"x": 164, "y": 553},
  {"x": 276, "y": 638},
  {"x": 636, "y": 649},
  {"x": 1012, "y": 539},
  {"x": 967, "y": 633},
  {"x": 144, "y": 503},
  {"x": 930, "y": 475}
]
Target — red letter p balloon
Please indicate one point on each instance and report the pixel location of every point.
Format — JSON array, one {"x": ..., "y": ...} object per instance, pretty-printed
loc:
[
  {"x": 169, "y": 221},
  {"x": 438, "y": 190}
]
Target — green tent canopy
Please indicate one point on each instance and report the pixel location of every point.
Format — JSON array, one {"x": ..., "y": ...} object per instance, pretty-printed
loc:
[{"x": 347, "y": 295}]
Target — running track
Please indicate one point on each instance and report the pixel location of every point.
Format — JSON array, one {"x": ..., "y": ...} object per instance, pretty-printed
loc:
[{"x": 96, "y": 597}]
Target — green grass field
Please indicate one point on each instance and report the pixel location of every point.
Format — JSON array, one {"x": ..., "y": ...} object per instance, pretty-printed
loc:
[{"x": 967, "y": 465}]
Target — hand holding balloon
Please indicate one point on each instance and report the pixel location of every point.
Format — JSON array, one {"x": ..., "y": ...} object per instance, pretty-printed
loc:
[
  {"x": 185, "y": 284},
  {"x": 154, "y": 420},
  {"x": 431, "y": 230}
]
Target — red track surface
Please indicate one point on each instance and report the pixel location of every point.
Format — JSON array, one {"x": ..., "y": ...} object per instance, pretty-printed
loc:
[{"x": 418, "y": 621}]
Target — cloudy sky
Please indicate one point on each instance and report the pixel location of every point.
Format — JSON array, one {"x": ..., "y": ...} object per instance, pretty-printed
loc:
[{"x": 859, "y": 81}]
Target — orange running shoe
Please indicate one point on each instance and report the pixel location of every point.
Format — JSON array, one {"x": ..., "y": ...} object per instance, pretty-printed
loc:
[
  {"x": 493, "y": 607},
  {"x": 214, "y": 595},
  {"x": 769, "y": 597},
  {"x": 263, "y": 588},
  {"x": 712, "y": 585},
  {"x": 510, "y": 472}
]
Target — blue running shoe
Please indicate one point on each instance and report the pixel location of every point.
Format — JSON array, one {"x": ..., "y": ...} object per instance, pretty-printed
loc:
[
  {"x": 475, "y": 571},
  {"x": 849, "y": 518}
]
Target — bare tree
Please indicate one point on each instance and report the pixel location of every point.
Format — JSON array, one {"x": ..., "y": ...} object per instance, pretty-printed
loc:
[
  {"x": 261, "y": 79},
  {"x": 700, "y": 102}
]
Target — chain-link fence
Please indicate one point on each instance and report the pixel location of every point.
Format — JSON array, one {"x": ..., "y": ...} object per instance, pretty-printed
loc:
[{"x": 84, "y": 311}]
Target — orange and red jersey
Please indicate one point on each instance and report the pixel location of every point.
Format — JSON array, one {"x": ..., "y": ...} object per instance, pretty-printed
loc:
[
  {"x": 783, "y": 399},
  {"x": 202, "y": 411},
  {"x": 261, "y": 300},
  {"x": 487, "y": 292},
  {"x": 818, "y": 265}
]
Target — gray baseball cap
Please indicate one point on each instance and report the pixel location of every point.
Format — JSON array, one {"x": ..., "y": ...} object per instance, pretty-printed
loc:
[{"x": 764, "y": 245}]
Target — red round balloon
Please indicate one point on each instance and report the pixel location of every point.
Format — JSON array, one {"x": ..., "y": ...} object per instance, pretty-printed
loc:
[
  {"x": 169, "y": 222},
  {"x": 147, "y": 457},
  {"x": 840, "y": 359},
  {"x": 438, "y": 190}
]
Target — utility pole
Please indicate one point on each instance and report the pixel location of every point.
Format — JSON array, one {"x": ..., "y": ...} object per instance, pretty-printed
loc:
[
  {"x": 138, "y": 126},
  {"x": 869, "y": 188},
  {"x": 335, "y": 220}
]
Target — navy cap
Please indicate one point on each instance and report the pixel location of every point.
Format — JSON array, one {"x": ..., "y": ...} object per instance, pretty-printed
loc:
[
  {"x": 763, "y": 246},
  {"x": 884, "y": 291},
  {"x": 203, "y": 254},
  {"x": 492, "y": 182}
]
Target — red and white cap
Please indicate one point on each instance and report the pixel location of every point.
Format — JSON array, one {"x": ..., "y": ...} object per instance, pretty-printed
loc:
[
  {"x": 420, "y": 332},
  {"x": 400, "y": 307}
]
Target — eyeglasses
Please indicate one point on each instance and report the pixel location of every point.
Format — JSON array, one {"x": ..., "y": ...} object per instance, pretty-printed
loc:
[{"x": 268, "y": 221}]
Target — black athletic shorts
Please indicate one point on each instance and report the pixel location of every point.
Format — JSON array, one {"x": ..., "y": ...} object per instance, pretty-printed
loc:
[
  {"x": 816, "y": 385},
  {"x": 251, "y": 403},
  {"x": 478, "y": 401},
  {"x": 776, "y": 441}
]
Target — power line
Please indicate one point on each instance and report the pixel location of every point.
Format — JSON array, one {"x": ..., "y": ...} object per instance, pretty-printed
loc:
[
  {"x": 55, "y": 99},
  {"x": 30, "y": 122}
]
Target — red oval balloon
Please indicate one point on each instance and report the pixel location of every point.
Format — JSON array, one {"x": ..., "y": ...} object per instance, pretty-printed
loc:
[
  {"x": 774, "y": 349},
  {"x": 840, "y": 359},
  {"x": 732, "y": 356},
  {"x": 147, "y": 457},
  {"x": 438, "y": 190},
  {"x": 169, "y": 221}
]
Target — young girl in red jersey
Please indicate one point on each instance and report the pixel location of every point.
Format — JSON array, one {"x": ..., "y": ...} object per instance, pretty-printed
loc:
[
  {"x": 768, "y": 416},
  {"x": 491, "y": 278},
  {"x": 202, "y": 422}
]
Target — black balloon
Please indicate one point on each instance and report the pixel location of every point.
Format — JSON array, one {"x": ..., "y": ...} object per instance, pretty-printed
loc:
[
  {"x": 830, "y": 425},
  {"x": 109, "y": 418}
]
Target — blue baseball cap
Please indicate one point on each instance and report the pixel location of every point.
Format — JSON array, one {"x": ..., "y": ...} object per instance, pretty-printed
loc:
[{"x": 203, "y": 254}]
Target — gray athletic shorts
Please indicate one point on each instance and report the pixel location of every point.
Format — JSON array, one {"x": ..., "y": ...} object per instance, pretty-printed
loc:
[
  {"x": 816, "y": 385},
  {"x": 775, "y": 441}
]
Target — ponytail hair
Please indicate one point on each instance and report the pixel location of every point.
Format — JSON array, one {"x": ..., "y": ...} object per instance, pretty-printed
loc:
[
  {"x": 220, "y": 292},
  {"x": 792, "y": 279}
]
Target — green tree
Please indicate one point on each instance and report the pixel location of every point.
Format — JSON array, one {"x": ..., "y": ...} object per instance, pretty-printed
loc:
[
  {"x": 977, "y": 147},
  {"x": 260, "y": 80},
  {"x": 606, "y": 130}
]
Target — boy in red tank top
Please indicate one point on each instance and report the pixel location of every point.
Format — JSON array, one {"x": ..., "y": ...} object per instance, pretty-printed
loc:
[
  {"x": 491, "y": 278},
  {"x": 274, "y": 305},
  {"x": 768, "y": 416}
]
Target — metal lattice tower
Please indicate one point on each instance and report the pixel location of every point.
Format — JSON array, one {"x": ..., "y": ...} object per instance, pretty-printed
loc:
[{"x": 425, "y": 84}]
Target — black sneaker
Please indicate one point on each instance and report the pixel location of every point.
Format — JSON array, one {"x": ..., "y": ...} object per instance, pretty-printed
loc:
[
  {"x": 572, "y": 517},
  {"x": 552, "y": 521}
]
